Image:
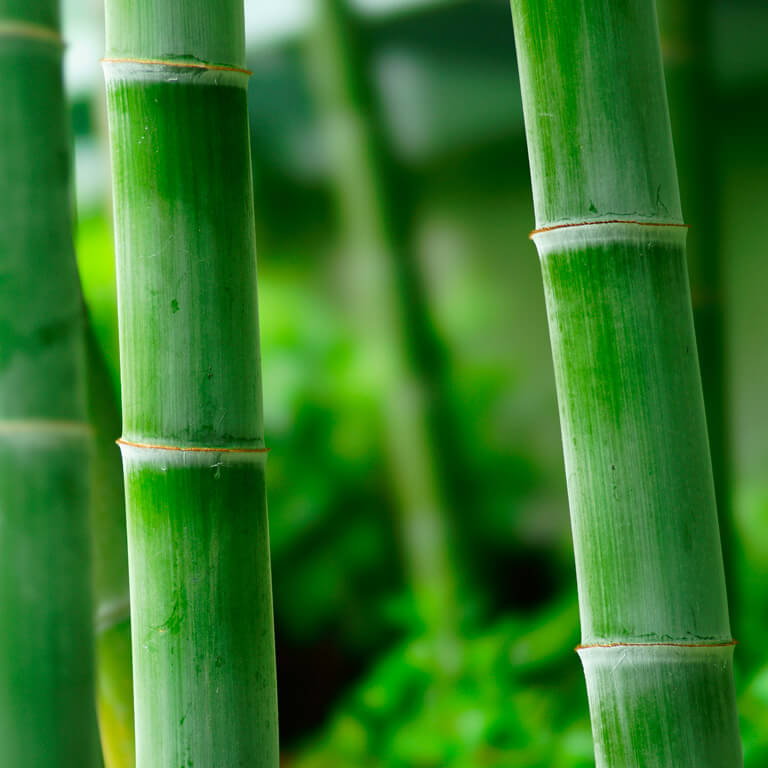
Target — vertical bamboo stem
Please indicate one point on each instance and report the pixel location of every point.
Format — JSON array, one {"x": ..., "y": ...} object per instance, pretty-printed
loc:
[
  {"x": 656, "y": 643},
  {"x": 47, "y": 717},
  {"x": 686, "y": 31},
  {"x": 193, "y": 444},
  {"x": 390, "y": 308},
  {"x": 114, "y": 681}
]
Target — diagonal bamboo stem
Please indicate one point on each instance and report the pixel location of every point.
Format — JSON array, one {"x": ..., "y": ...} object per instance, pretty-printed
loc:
[{"x": 657, "y": 649}]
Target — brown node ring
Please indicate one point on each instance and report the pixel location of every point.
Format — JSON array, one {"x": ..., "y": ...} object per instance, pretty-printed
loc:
[
  {"x": 177, "y": 65},
  {"x": 189, "y": 449},
  {"x": 657, "y": 645},
  {"x": 609, "y": 221}
]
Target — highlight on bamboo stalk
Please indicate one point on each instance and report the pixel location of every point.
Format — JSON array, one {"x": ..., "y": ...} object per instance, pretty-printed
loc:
[
  {"x": 47, "y": 715},
  {"x": 656, "y": 643},
  {"x": 201, "y": 605}
]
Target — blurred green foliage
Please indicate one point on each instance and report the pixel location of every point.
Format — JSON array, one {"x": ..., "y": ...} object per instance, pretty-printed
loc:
[{"x": 518, "y": 699}]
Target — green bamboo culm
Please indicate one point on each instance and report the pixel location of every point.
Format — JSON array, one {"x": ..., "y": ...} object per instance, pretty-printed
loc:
[
  {"x": 656, "y": 643},
  {"x": 114, "y": 680},
  {"x": 193, "y": 443},
  {"x": 389, "y": 307},
  {"x": 47, "y": 717},
  {"x": 686, "y": 43}
]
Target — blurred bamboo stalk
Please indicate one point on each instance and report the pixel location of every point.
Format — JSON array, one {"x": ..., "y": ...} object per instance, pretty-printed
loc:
[
  {"x": 114, "y": 682},
  {"x": 388, "y": 300},
  {"x": 656, "y": 642},
  {"x": 686, "y": 43},
  {"x": 193, "y": 442},
  {"x": 47, "y": 717}
]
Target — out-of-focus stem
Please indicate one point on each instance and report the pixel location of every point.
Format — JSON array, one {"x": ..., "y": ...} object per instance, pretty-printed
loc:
[
  {"x": 114, "y": 682},
  {"x": 388, "y": 301},
  {"x": 47, "y": 717},
  {"x": 686, "y": 32}
]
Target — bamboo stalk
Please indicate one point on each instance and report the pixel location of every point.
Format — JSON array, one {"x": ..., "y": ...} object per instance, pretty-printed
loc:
[
  {"x": 686, "y": 31},
  {"x": 193, "y": 444},
  {"x": 389, "y": 307},
  {"x": 656, "y": 643},
  {"x": 47, "y": 717},
  {"x": 114, "y": 681}
]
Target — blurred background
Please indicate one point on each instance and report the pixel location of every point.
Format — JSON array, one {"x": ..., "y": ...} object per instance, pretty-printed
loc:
[{"x": 425, "y": 596}]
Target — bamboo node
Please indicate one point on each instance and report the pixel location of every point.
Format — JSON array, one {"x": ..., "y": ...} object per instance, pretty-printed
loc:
[
  {"x": 25, "y": 30},
  {"x": 190, "y": 449},
  {"x": 636, "y": 222},
  {"x": 727, "y": 644},
  {"x": 178, "y": 65},
  {"x": 45, "y": 426}
]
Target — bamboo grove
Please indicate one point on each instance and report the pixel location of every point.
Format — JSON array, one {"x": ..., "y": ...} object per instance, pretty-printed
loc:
[{"x": 136, "y": 595}]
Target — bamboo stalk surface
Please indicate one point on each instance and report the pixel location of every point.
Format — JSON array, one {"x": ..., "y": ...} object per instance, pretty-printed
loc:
[
  {"x": 656, "y": 642},
  {"x": 193, "y": 443},
  {"x": 47, "y": 717}
]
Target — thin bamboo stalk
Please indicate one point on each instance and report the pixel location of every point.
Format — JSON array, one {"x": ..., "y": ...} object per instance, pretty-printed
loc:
[
  {"x": 389, "y": 307},
  {"x": 686, "y": 32},
  {"x": 193, "y": 444},
  {"x": 114, "y": 681},
  {"x": 47, "y": 717},
  {"x": 656, "y": 643}
]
